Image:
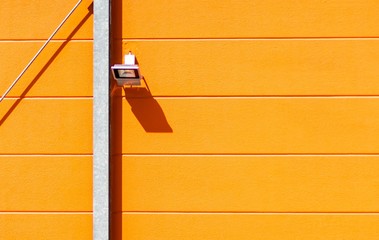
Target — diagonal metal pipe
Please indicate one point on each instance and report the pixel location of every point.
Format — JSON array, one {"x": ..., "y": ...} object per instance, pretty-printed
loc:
[{"x": 39, "y": 51}]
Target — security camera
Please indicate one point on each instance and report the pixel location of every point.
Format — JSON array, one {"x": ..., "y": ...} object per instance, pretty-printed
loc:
[{"x": 128, "y": 73}]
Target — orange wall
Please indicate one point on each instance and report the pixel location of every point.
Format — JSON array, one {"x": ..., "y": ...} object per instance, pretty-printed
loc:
[
  {"x": 46, "y": 121},
  {"x": 259, "y": 120}
]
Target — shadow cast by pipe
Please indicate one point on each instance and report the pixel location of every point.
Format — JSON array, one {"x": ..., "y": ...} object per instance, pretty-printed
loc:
[{"x": 47, "y": 65}]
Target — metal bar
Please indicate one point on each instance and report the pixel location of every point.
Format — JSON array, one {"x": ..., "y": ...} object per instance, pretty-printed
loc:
[
  {"x": 101, "y": 121},
  {"x": 39, "y": 51}
]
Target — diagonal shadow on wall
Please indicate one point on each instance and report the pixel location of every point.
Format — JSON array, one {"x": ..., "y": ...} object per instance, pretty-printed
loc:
[{"x": 47, "y": 65}]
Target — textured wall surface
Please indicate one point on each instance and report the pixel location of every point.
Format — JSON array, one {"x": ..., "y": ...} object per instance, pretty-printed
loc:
[
  {"x": 258, "y": 120},
  {"x": 46, "y": 121}
]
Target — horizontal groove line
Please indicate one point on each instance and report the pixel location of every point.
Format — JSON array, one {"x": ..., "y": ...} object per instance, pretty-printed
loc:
[
  {"x": 45, "y": 212},
  {"x": 205, "y": 97},
  {"x": 248, "y": 213},
  {"x": 50, "y": 97},
  {"x": 250, "y": 39},
  {"x": 251, "y": 96},
  {"x": 46, "y": 155},
  {"x": 43, "y": 40},
  {"x": 247, "y": 154}
]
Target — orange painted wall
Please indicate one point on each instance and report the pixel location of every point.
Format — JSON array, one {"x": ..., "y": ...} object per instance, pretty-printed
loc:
[
  {"x": 258, "y": 120},
  {"x": 46, "y": 121}
]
